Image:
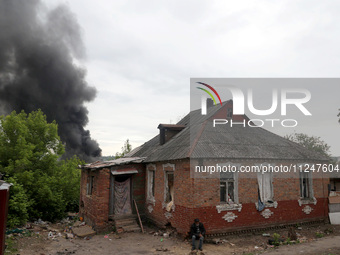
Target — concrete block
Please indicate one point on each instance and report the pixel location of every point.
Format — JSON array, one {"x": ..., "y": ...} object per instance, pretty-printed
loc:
[{"x": 334, "y": 218}]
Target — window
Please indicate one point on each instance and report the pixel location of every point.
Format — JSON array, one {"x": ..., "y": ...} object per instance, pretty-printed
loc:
[
  {"x": 306, "y": 187},
  {"x": 265, "y": 183},
  {"x": 227, "y": 187},
  {"x": 151, "y": 185},
  {"x": 89, "y": 185},
  {"x": 169, "y": 187}
]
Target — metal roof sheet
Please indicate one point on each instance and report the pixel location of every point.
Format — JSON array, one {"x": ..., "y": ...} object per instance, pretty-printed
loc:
[
  {"x": 199, "y": 139},
  {"x": 119, "y": 161}
]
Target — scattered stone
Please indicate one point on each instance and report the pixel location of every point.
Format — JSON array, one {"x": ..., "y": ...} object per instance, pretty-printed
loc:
[
  {"x": 69, "y": 236},
  {"x": 216, "y": 240},
  {"x": 83, "y": 231},
  {"x": 162, "y": 249}
]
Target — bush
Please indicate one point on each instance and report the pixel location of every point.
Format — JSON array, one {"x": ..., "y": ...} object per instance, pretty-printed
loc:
[
  {"x": 43, "y": 185},
  {"x": 18, "y": 204}
]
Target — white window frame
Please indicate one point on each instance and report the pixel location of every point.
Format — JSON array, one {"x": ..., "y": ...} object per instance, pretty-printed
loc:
[
  {"x": 151, "y": 185},
  {"x": 235, "y": 205},
  {"x": 166, "y": 186},
  {"x": 310, "y": 199}
]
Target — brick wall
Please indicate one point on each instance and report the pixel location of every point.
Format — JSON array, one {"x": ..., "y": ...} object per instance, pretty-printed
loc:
[
  {"x": 138, "y": 185},
  {"x": 197, "y": 198},
  {"x": 95, "y": 208}
]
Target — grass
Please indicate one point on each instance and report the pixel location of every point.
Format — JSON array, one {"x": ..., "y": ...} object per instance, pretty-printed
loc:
[
  {"x": 11, "y": 246},
  {"x": 319, "y": 235}
]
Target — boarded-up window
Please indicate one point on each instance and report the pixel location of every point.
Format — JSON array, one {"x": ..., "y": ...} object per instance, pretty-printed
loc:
[
  {"x": 306, "y": 187},
  {"x": 89, "y": 185}
]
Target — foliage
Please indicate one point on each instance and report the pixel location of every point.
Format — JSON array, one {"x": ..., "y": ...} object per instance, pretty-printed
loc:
[
  {"x": 19, "y": 204},
  {"x": 310, "y": 142},
  {"x": 43, "y": 185},
  {"x": 276, "y": 237},
  {"x": 125, "y": 149},
  {"x": 11, "y": 243},
  {"x": 319, "y": 235},
  {"x": 288, "y": 242}
]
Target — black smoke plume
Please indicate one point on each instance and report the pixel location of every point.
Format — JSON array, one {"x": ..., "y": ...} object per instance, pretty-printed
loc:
[{"x": 39, "y": 54}]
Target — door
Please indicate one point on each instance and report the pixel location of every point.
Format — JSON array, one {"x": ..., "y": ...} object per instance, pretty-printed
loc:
[{"x": 122, "y": 195}]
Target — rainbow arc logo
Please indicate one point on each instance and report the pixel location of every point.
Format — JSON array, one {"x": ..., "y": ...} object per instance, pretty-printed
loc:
[
  {"x": 203, "y": 103},
  {"x": 211, "y": 95}
]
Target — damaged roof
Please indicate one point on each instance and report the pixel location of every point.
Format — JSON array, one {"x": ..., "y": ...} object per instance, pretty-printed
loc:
[
  {"x": 115, "y": 162},
  {"x": 222, "y": 141}
]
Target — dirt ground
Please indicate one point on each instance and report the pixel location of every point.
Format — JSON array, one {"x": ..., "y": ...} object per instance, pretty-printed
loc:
[{"x": 321, "y": 239}]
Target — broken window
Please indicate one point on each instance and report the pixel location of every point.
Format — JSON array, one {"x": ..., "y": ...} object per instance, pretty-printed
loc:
[
  {"x": 265, "y": 184},
  {"x": 89, "y": 185},
  {"x": 169, "y": 187},
  {"x": 306, "y": 187},
  {"x": 227, "y": 187},
  {"x": 151, "y": 184}
]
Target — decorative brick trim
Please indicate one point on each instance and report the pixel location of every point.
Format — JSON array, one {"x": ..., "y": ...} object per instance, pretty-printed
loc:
[
  {"x": 267, "y": 213},
  {"x": 151, "y": 167},
  {"x": 150, "y": 208},
  {"x": 168, "y": 215},
  {"x": 311, "y": 201},
  {"x": 229, "y": 217},
  {"x": 307, "y": 209},
  {"x": 228, "y": 207},
  {"x": 168, "y": 167},
  {"x": 267, "y": 205},
  {"x": 151, "y": 201}
]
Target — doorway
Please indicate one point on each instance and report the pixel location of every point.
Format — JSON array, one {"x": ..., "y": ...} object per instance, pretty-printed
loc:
[{"x": 122, "y": 194}]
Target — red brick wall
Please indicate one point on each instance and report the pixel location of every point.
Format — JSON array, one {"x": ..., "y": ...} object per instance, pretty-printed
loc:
[
  {"x": 138, "y": 185},
  {"x": 286, "y": 212},
  {"x": 197, "y": 198},
  {"x": 95, "y": 208}
]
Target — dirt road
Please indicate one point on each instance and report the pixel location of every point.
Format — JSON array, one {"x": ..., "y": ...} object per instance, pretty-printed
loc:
[{"x": 138, "y": 243}]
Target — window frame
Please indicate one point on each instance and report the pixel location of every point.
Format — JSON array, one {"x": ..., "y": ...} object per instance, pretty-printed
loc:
[
  {"x": 227, "y": 206},
  {"x": 167, "y": 192},
  {"x": 267, "y": 204},
  {"x": 307, "y": 176},
  {"x": 226, "y": 181},
  {"x": 89, "y": 185},
  {"x": 151, "y": 185}
]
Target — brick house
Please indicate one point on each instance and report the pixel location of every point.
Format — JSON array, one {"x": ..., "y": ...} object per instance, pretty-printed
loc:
[{"x": 159, "y": 177}]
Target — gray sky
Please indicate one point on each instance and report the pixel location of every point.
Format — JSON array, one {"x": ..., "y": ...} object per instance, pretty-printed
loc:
[{"x": 142, "y": 54}]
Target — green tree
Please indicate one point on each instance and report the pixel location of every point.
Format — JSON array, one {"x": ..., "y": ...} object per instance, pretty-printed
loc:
[
  {"x": 310, "y": 142},
  {"x": 125, "y": 149},
  {"x": 30, "y": 150},
  {"x": 19, "y": 204}
]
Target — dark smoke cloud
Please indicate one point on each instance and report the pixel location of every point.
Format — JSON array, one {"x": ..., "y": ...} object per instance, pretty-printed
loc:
[{"x": 39, "y": 51}]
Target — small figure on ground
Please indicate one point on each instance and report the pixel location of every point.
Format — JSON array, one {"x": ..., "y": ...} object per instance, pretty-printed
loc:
[{"x": 197, "y": 232}]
